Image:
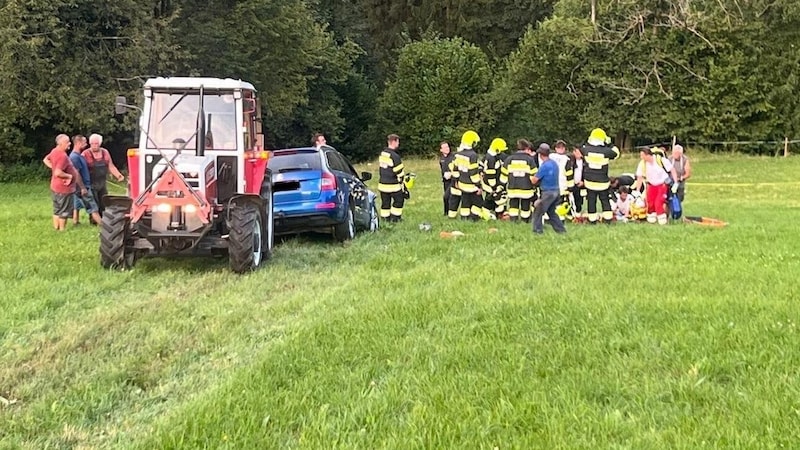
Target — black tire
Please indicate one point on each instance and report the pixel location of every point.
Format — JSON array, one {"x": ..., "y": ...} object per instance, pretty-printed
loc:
[
  {"x": 346, "y": 230},
  {"x": 374, "y": 218},
  {"x": 245, "y": 240},
  {"x": 269, "y": 216},
  {"x": 114, "y": 232},
  {"x": 269, "y": 239}
]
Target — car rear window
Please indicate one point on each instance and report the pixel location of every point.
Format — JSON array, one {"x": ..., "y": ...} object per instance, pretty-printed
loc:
[{"x": 288, "y": 161}]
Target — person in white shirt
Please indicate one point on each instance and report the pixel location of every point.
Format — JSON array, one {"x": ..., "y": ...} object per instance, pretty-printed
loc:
[
  {"x": 565, "y": 176},
  {"x": 622, "y": 207},
  {"x": 578, "y": 189},
  {"x": 657, "y": 172}
]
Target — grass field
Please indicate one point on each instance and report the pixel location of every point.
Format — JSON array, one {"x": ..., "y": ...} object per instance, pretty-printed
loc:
[{"x": 625, "y": 336}]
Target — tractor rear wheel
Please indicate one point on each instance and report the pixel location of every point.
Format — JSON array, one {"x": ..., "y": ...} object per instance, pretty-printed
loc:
[
  {"x": 245, "y": 240},
  {"x": 114, "y": 232}
]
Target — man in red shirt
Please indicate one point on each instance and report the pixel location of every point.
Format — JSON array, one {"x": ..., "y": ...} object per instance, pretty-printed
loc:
[{"x": 62, "y": 182}]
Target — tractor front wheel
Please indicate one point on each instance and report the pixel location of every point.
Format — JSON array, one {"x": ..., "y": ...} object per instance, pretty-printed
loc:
[
  {"x": 245, "y": 240},
  {"x": 114, "y": 232}
]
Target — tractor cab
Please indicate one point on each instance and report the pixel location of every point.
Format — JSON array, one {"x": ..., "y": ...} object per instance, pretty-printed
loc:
[
  {"x": 171, "y": 119},
  {"x": 197, "y": 177}
]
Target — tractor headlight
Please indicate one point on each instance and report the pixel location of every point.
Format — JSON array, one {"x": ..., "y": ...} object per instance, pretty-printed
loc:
[
  {"x": 163, "y": 208},
  {"x": 190, "y": 209}
]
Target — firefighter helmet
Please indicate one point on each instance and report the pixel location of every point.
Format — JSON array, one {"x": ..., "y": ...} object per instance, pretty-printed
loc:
[
  {"x": 498, "y": 145},
  {"x": 469, "y": 139},
  {"x": 598, "y": 137},
  {"x": 409, "y": 180},
  {"x": 562, "y": 209}
]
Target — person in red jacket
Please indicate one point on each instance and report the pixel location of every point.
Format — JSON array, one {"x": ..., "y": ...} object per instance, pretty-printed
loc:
[{"x": 63, "y": 180}]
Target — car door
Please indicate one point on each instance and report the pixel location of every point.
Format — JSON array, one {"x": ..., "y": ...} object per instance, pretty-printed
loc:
[
  {"x": 361, "y": 193},
  {"x": 358, "y": 191}
]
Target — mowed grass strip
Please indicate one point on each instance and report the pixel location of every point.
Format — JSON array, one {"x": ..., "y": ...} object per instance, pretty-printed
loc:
[{"x": 622, "y": 336}]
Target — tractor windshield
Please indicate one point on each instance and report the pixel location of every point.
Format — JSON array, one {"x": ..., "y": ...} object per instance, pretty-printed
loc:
[{"x": 173, "y": 120}]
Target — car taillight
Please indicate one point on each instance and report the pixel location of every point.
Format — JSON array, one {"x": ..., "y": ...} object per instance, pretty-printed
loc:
[{"x": 328, "y": 182}]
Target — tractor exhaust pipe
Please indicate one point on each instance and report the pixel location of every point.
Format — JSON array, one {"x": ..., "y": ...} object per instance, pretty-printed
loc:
[{"x": 201, "y": 127}]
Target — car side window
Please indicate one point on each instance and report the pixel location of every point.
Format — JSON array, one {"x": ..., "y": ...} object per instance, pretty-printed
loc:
[
  {"x": 348, "y": 167},
  {"x": 338, "y": 162},
  {"x": 334, "y": 162}
]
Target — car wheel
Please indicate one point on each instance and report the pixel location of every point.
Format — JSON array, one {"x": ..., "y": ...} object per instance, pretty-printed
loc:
[
  {"x": 270, "y": 226},
  {"x": 346, "y": 230},
  {"x": 374, "y": 218}
]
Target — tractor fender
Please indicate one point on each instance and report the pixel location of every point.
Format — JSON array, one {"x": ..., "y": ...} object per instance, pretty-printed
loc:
[
  {"x": 121, "y": 201},
  {"x": 243, "y": 199}
]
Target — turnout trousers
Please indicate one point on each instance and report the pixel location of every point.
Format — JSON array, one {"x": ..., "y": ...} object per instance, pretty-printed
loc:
[
  {"x": 605, "y": 203},
  {"x": 392, "y": 205}
]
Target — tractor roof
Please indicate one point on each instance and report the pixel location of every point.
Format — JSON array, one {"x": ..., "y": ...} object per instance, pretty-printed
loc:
[{"x": 196, "y": 82}]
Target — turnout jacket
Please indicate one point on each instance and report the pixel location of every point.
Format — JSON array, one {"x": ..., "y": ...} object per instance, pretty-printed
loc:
[
  {"x": 595, "y": 165},
  {"x": 466, "y": 171},
  {"x": 491, "y": 166},
  {"x": 517, "y": 172},
  {"x": 391, "y": 171}
]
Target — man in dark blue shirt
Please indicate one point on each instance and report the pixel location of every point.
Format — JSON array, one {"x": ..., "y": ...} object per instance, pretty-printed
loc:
[
  {"x": 547, "y": 179},
  {"x": 83, "y": 201}
]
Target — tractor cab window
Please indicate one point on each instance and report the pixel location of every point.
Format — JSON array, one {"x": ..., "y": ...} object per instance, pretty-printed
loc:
[{"x": 174, "y": 120}]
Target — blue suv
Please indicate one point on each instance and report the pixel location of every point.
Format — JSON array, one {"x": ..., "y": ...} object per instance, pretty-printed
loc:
[{"x": 318, "y": 190}]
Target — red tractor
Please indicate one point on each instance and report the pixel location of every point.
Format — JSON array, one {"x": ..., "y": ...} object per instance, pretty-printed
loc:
[{"x": 198, "y": 180}]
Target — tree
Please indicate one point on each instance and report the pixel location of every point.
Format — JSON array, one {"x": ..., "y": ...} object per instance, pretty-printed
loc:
[
  {"x": 652, "y": 69},
  {"x": 437, "y": 92},
  {"x": 281, "y": 48},
  {"x": 64, "y": 61}
]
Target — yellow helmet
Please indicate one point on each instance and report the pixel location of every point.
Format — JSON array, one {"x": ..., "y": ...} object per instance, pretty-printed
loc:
[
  {"x": 562, "y": 209},
  {"x": 469, "y": 138},
  {"x": 409, "y": 180},
  {"x": 498, "y": 145},
  {"x": 598, "y": 137}
]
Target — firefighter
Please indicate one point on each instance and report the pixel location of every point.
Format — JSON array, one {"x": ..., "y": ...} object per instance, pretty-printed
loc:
[
  {"x": 596, "y": 156},
  {"x": 467, "y": 175},
  {"x": 516, "y": 175},
  {"x": 390, "y": 184},
  {"x": 491, "y": 164},
  {"x": 445, "y": 159}
]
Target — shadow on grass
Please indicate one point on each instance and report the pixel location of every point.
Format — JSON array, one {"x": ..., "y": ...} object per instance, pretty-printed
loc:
[
  {"x": 190, "y": 264},
  {"x": 305, "y": 250}
]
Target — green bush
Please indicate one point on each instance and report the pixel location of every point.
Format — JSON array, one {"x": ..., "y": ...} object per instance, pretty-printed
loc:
[{"x": 22, "y": 173}]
